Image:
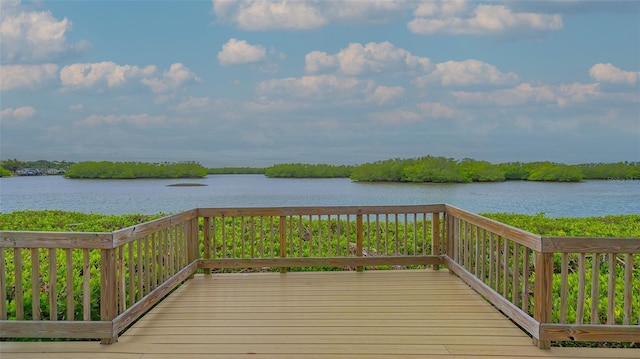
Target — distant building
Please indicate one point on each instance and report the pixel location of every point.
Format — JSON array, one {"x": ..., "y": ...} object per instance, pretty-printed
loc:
[{"x": 30, "y": 172}]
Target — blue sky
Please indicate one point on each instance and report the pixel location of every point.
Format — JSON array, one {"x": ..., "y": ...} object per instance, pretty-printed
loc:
[{"x": 256, "y": 83}]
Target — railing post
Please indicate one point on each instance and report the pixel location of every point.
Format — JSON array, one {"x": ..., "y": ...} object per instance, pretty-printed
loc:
[
  {"x": 359, "y": 236},
  {"x": 435, "y": 236},
  {"x": 283, "y": 241},
  {"x": 451, "y": 242},
  {"x": 543, "y": 300},
  {"x": 206, "y": 234},
  {"x": 193, "y": 243},
  {"x": 108, "y": 290}
]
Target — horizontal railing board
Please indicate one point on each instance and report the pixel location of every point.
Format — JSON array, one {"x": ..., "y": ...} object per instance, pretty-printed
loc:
[
  {"x": 590, "y": 245},
  {"x": 509, "y": 309},
  {"x": 132, "y": 233},
  {"x": 527, "y": 239},
  {"x": 54, "y": 329},
  {"x": 302, "y": 211},
  {"x": 315, "y": 262},
  {"x": 590, "y": 332},
  {"x": 80, "y": 240}
]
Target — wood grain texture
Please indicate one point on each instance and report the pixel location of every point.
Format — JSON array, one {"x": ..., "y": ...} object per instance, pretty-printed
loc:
[{"x": 336, "y": 315}]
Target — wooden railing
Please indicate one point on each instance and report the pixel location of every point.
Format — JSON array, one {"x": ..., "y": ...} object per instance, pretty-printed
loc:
[
  {"x": 321, "y": 236},
  {"x": 531, "y": 278},
  {"x": 122, "y": 275},
  {"x": 94, "y": 285}
]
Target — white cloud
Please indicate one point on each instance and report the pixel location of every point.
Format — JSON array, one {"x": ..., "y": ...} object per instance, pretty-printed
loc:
[
  {"x": 465, "y": 73},
  {"x": 373, "y": 57},
  {"x": 384, "y": 94},
  {"x": 561, "y": 95},
  {"x": 34, "y": 36},
  {"x": 454, "y": 18},
  {"x": 317, "y": 87},
  {"x": 26, "y": 76},
  {"x": 266, "y": 15},
  {"x": 101, "y": 73},
  {"x": 97, "y": 75},
  {"x": 177, "y": 76},
  {"x": 424, "y": 111},
  {"x": 304, "y": 15},
  {"x": 143, "y": 120},
  {"x": 20, "y": 113},
  {"x": 396, "y": 117},
  {"x": 609, "y": 73},
  {"x": 236, "y": 52},
  {"x": 436, "y": 110}
]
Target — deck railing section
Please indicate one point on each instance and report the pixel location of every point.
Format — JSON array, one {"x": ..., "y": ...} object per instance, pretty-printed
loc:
[
  {"x": 547, "y": 284},
  {"x": 121, "y": 275},
  {"x": 321, "y": 236},
  {"x": 150, "y": 260},
  {"x": 48, "y": 283},
  {"x": 94, "y": 285},
  {"x": 596, "y": 289}
]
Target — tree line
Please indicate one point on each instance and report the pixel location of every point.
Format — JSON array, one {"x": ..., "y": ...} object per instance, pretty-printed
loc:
[
  {"x": 420, "y": 169},
  {"x": 444, "y": 170},
  {"x": 131, "y": 170}
]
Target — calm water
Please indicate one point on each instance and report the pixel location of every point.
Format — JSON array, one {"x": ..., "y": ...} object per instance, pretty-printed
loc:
[{"x": 589, "y": 198}]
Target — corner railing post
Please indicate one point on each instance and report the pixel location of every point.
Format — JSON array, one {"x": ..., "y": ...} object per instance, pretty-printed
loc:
[
  {"x": 543, "y": 294},
  {"x": 193, "y": 250},
  {"x": 108, "y": 290},
  {"x": 359, "y": 236},
  {"x": 451, "y": 240},
  {"x": 283, "y": 241},
  {"x": 435, "y": 236}
]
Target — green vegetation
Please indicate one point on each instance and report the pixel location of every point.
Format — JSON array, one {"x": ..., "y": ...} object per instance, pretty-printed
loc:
[
  {"x": 4, "y": 172},
  {"x": 441, "y": 169},
  {"x": 236, "y": 171},
  {"x": 300, "y": 170},
  {"x": 65, "y": 221},
  {"x": 130, "y": 170},
  {"x": 417, "y": 170},
  {"x": 445, "y": 170},
  {"x": 606, "y": 226}
]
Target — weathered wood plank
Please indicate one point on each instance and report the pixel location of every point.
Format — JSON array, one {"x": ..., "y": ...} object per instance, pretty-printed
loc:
[
  {"x": 322, "y": 211},
  {"x": 89, "y": 240},
  {"x": 54, "y": 329},
  {"x": 595, "y": 332},
  {"x": 525, "y": 238},
  {"x": 398, "y": 314},
  {"x": 590, "y": 245}
]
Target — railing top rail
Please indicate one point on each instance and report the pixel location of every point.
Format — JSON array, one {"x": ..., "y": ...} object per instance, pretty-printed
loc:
[
  {"x": 134, "y": 232},
  {"x": 528, "y": 239},
  {"x": 320, "y": 210},
  {"x": 590, "y": 245},
  {"x": 80, "y": 240}
]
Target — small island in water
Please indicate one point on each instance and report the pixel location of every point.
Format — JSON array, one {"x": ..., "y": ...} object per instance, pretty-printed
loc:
[{"x": 188, "y": 184}]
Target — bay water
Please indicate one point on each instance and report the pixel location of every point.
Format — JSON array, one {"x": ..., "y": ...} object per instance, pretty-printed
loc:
[{"x": 151, "y": 196}]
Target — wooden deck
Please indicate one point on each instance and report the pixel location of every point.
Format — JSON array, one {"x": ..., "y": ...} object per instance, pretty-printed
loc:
[{"x": 375, "y": 314}]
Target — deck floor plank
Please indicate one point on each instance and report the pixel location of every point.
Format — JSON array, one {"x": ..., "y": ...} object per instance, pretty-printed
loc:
[{"x": 334, "y": 315}]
